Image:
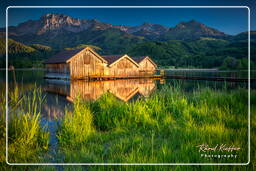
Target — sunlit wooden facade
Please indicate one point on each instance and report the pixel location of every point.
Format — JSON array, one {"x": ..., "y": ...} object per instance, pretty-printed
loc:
[
  {"x": 146, "y": 65},
  {"x": 122, "y": 65},
  {"x": 86, "y": 63}
]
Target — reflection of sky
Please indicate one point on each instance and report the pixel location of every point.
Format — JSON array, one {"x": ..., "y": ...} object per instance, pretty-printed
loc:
[{"x": 229, "y": 21}]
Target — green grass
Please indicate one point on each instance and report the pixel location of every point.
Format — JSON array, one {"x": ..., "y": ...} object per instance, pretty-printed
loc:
[
  {"x": 78, "y": 122},
  {"x": 2, "y": 126},
  {"x": 26, "y": 137},
  {"x": 164, "y": 128}
]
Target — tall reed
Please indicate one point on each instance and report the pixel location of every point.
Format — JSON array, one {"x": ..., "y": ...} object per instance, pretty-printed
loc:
[{"x": 26, "y": 137}]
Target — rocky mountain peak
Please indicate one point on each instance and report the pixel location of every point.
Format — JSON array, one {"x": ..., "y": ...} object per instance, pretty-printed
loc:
[
  {"x": 196, "y": 26},
  {"x": 191, "y": 23},
  {"x": 59, "y": 22},
  {"x": 191, "y": 30},
  {"x": 146, "y": 24}
]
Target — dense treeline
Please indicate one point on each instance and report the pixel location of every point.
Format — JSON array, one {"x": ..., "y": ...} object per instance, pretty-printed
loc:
[{"x": 200, "y": 53}]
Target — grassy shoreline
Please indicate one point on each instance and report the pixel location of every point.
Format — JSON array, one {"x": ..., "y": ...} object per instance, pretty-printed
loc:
[{"x": 165, "y": 127}]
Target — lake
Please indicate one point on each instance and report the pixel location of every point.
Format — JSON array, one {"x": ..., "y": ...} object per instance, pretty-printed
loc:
[{"x": 60, "y": 93}]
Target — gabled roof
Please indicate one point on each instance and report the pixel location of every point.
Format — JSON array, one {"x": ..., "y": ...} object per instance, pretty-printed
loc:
[
  {"x": 138, "y": 59},
  {"x": 62, "y": 56},
  {"x": 141, "y": 58},
  {"x": 115, "y": 58},
  {"x": 68, "y": 55},
  {"x": 92, "y": 51},
  {"x": 111, "y": 58}
]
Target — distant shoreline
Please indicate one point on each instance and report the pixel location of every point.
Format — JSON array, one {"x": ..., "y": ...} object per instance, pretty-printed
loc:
[
  {"x": 174, "y": 69},
  {"x": 193, "y": 69},
  {"x": 166, "y": 69}
]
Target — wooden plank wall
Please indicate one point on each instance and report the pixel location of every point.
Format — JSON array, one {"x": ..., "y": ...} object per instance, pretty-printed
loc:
[
  {"x": 86, "y": 64},
  {"x": 124, "y": 67},
  {"x": 146, "y": 67}
]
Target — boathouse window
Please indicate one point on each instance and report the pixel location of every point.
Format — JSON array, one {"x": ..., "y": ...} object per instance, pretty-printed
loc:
[{"x": 87, "y": 59}]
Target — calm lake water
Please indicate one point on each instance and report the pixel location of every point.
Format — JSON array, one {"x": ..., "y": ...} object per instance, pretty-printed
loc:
[{"x": 60, "y": 93}]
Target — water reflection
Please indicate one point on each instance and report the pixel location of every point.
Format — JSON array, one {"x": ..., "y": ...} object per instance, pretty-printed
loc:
[
  {"x": 124, "y": 89},
  {"x": 54, "y": 107}
]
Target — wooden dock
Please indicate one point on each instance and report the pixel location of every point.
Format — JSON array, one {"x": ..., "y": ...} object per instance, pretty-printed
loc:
[
  {"x": 103, "y": 77},
  {"x": 228, "y": 79},
  {"x": 115, "y": 77},
  {"x": 112, "y": 77}
]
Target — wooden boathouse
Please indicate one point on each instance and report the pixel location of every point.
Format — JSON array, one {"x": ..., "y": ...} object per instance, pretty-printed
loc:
[{"x": 85, "y": 63}]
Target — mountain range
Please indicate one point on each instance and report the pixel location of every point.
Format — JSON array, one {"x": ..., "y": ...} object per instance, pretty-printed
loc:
[
  {"x": 50, "y": 29},
  {"x": 167, "y": 45},
  {"x": 59, "y": 23}
]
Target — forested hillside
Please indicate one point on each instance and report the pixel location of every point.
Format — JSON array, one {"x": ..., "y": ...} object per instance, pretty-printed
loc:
[
  {"x": 202, "y": 53},
  {"x": 24, "y": 56}
]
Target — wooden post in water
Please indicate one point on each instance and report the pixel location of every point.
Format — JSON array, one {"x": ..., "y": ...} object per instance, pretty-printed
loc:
[
  {"x": 162, "y": 81},
  {"x": 162, "y": 73},
  {"x": 11, "y": 67}
]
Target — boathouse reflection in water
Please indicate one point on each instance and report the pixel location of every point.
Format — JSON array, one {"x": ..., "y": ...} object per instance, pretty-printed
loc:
[{"x": 124, "y": 89}]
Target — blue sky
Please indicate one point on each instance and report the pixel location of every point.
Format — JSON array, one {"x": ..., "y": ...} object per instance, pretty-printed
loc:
[{"x": 230, "y": 21}]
